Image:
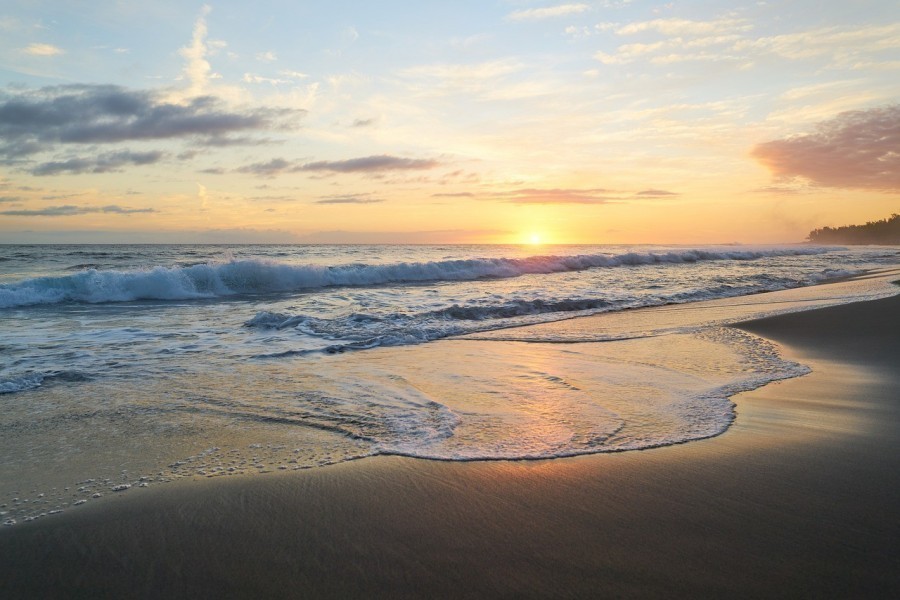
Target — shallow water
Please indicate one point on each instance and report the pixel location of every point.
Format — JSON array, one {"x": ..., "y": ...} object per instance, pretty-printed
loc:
[{"x": 105, "y": 393}]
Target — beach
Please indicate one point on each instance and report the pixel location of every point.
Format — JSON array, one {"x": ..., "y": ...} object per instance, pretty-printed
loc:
[{"x": 800, "y": 497}]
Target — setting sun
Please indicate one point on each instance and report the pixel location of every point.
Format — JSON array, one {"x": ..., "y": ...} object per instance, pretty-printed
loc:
[{"x": 534, "y": 238}]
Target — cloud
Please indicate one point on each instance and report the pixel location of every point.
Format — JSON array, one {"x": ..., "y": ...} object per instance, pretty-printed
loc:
[
  {"x": 9, "y": 199},
  {"x": 197, "y": 69},
  {"x": 685, "y": 27},
  {"x": 379, "y": 163},
  {"x": 267, "y": 56},
  {"x": 99, "y": 114},
  {"x": 367, "y": 164},
  {"x": 358, "y": 199},
  {"x": 857, "y": 149},
  {"x": 847, "y": 45},
  {"x": 655, "y": 194},
  {"x": 270, "y": 168},
  {"x": 571, "y": 195},
  {"x": 557, "y": 196},
  {"x": 363, "y": 122},
  {"x": 104, "y": 163},
  {"x": 43, "y": 50},
  {"x": 731, "y": 39},
  {"x": 253, "y": 78},
  {"x": 453, "y": 195},
  {"x": 534, "y": 14},
  {"x": 69, "y": 210}
]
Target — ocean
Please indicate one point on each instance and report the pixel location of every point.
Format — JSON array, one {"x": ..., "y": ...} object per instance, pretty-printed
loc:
[{"x": 125, "y": 366}]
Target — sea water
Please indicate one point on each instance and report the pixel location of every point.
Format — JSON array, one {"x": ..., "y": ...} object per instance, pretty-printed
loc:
[{"x": 127, "y": 366}]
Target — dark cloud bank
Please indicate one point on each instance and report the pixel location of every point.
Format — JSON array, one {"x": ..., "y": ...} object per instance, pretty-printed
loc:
[
  {"x": 857, "y": 149},
  {"x": 44, "y": 120}
]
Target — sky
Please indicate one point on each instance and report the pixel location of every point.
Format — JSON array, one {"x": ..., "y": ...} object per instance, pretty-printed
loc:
[{"x": 489, "y": 121}]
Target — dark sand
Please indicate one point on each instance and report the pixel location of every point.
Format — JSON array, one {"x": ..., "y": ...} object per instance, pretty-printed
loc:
[{"x": 799, "y": 498}]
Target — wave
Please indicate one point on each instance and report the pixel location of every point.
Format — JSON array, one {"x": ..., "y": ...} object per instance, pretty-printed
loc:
[
  {"x": 362, "y": 331},
  {"x": 237, "y": 277}
]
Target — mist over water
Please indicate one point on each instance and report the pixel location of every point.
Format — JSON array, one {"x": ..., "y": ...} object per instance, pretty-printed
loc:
[{"x": 134, "y": 365}]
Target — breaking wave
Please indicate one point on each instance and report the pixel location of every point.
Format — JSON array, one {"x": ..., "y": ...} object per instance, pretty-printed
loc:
[{"x": 237, "y": 277}]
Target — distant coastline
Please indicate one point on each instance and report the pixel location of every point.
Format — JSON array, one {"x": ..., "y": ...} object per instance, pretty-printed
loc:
[{"x": 885, "y": 231}]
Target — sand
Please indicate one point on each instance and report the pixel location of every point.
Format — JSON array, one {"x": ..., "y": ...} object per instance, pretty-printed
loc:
[{"x": 799, "y": 498}]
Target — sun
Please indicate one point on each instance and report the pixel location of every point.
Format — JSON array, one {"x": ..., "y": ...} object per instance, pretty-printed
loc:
[{"x": 534, "y": 239}]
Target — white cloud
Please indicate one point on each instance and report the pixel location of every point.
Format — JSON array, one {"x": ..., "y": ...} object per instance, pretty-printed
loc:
[
  {"x": 535, "y": 14},
  {"x": 43, "y": 50},
  {"x": 251, "y": 78},
  {"x": 197, "y": 69},
  {"x": 730, "y": 40},
  {"x": 266, "y": 56},
  {"x": 673, "y": 27},
  {"x": 843, "y": 43}
]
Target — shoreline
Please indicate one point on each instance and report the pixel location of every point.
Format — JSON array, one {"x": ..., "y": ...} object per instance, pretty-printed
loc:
[{"x": 799, "y": 496}]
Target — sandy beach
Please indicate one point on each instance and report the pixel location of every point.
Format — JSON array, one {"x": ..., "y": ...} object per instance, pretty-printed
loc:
[{"x": 799, "y": 498}]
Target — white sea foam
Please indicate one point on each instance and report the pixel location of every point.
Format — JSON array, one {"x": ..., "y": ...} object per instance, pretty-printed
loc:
[{"x": 262, "y": 276}]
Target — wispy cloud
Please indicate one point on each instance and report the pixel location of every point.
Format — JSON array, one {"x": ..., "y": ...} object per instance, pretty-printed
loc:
[
  {"x": 655, "y": 194},
  {"x": 557, "y": 196},
  {"x": 356, "y": 199},
  {"x": 268, "y": 168},
  {"x": 573, "y": 195},
  {"x": 453, "y": 195},
  {"x": 69, "y": 210},
  {"x": 43, "y": 50},
  {"x": 104, "y": 163},
  {"x": 197, "y": 69},
  {"x": 549, "y": 12},
  {"x": 685, "y": 27},
  {"x": 733, "y": 39},
  {"x": 841, "y": 42},
  {"x": 381, "y": 162},
  {"x": 367, "y": 164},
  {"x": 253, "y": 78},
  {"x": 856, "y": 149}
]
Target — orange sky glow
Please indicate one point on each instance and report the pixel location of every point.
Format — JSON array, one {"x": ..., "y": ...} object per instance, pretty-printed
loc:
[{"x": 481, "y": 122}]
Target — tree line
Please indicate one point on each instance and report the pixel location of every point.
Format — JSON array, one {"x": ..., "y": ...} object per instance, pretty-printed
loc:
[{"x": 885, "y": 231}]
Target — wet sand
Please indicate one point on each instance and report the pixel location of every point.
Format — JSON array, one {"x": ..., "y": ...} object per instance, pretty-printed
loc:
[{"x": 799, "y": 498}]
